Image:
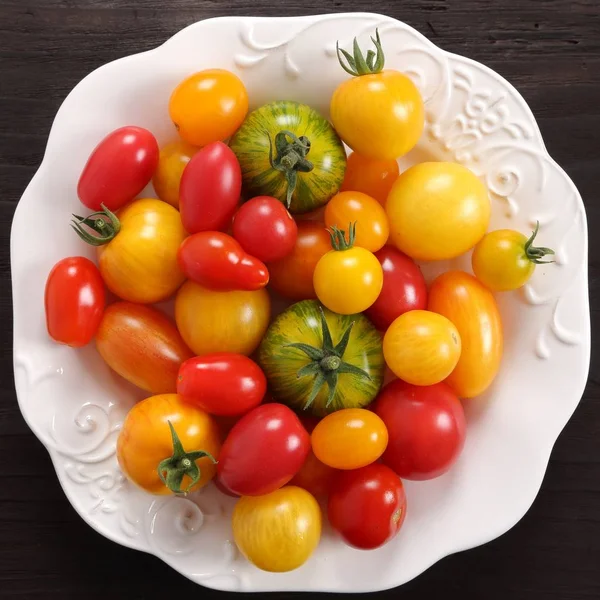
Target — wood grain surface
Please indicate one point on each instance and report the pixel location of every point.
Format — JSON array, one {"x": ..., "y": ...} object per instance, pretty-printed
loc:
[{"x": 550, "y": 50}]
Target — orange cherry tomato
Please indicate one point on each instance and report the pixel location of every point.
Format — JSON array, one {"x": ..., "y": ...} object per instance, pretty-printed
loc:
[
  {"x": 370, "y": 176},
  {"x": 314, "y": 476},
  {"x": 172, "y": 161},
  {"x": 473, "y": 310}
]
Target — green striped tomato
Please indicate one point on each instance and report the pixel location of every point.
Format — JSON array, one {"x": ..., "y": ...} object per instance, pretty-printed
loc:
[
  {"x": 299, "y": 371},
  {"x": 256, "y": 142}
]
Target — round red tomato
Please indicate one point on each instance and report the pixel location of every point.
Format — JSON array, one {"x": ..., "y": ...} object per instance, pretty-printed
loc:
[
  {"x": 118, "y": 169},
  {"x": 367, "y": 506},
  {"x": 263, "y": 451},
  {"x": 426, "y": 427},
  {"x": 404, "y": 288},
  {"x": 74, "y": 301},
  {"x": 210, "y": 189},
  {"x": 222, "y": 384},
  {"x": 265, "y": 228}
]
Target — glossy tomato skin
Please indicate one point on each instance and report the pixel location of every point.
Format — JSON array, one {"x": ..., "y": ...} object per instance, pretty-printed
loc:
[
  {"x": 217, "y": 261},
  {"x": 370, "y": 176},
  {"x": 265, "y": 228},
  {"x": 210, "y": 189},
  {"x": 263, "y": 451},
  {"x": 142, "y": 345},
  {"x": 118, "y": 169},
  {"x": 173, "y": 159},
  {"x": 404, "y": 288},
  {"x": 426, "y": 425},
  {"x": 472, "y": 308},
  {"x": 367, "y": 506},
  {"x": 74, "y": 301},
  {"x": 223, "y": 384}
]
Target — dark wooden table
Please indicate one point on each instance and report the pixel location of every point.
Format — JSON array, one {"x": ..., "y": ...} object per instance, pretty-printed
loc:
[{"x": 550, "y": 50}]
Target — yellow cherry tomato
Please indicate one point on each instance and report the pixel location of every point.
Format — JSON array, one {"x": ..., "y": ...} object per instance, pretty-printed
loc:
[
  {"x": 350, "y": 438},
  {"x": 379, "y": 114},
  {"x": 370, "y": 176},
  {"x": 347, "y": 279},
  {"x": 172, "y": 161},
  {"x": 208, "y": 106},
  {"x": 372, "y": 229},
  {"x": 279, "y": 531},
  {"x": 421, "y": 347},
  {"x": 211, "y": 321},
  {"x": 437, "y": 211}
]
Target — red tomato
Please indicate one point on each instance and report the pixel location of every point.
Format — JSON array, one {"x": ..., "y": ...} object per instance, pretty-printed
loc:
[
  {"x": 118, "y": 169},
  {"x": 263, "y": 451},
  {"x": 314, "y": 476},
  {"x": 216, "y": 261},
  {"x": 404, "y": 288},
  {"x": 222, "y": 384},
  {"x": 210, "y": 189},
  {"x": 367, "y": 506},
  {"x": 426, "y": 427},
  {"x": 265, "y": 228},
  {"x": 74, "y": 301}
]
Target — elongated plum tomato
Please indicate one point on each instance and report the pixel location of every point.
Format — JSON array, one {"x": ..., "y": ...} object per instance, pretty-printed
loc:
[
  {"x": 370, "y": 176},
  {"x": 118, "y": 169},
  {"x": 210, "y": 189},
  {"x": 217, "y": 261},
  {"x": 167, "y": 446},
  {"x": 222, "y": 384},
  {"x": 74, "y": 301},
  {"x": 426, "y": 425},
  {"x": 142, "y": 345},
  {"x": 473, "y": 310},
  {"x": 263, "y": 451},
  {"x": 172, "y": 160}
]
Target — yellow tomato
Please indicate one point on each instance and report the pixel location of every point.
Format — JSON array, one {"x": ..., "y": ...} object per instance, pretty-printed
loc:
[
  {"x": 208, "y": 106},
  {"x": 350, "y": 438},
  {"x": 370, "y": 176},
  {"x": 211, "y": 321},
  {"x": 172, "y": 161},
  {"x": 421, "y": 347},
  {"x": 279, "y": 531},
  {"x": 437, "y": 211},
  {"x": 372, "y": 229}
]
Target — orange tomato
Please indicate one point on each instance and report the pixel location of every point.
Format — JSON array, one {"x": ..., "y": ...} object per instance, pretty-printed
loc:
[
  {"x": 370, "y": 176},
  {"x": 372, "y": 229},
  {"x": 146, "y": 442},
  {"x": 292, "y": 276},
  {"x": 473, "y": 310},
  {"x": 172, "y": 161},
  {"x": 208, "y": 106},
  {"x": 314, "y": 476}
]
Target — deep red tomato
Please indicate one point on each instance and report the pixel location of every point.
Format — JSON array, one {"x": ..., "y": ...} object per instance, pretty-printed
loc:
[
  {"x": 118, "y": 169},
  {"x": 265, "y": 228},
  {"x": 404, "y": 288},
  {"x": 263, "y": 451},
  {"x": 367, "y": 506},
  {"x": 426, "y": 427},
  {"x": 224, "y": 384},
  {"x": 216, "y": 261},
  {"x": 210, "y": 189},
  {"x": 74, "y": 301}
]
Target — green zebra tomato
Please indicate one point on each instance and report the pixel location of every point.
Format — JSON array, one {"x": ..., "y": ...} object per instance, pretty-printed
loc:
[
  {"x": 319, "y": 361},
  {"x": 289, "y": 151}
]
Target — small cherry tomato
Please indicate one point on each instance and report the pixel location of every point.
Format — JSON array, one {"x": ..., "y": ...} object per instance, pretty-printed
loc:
[
  {"x": 208, "y": 106},
  {"x": 217, "y": 261},
  {"x": 370, "y": 176},
  {"x": 118, "y": 169},
  {"x": 421, "y": 347},
  {"x": 265, "y": 228},
  {"x": 404, "y": 288},
  {"x": 222, "y": 384},
  {"x": 372, "y": 228},
  {"x": 426, "y": 425},
  {"x": 172, "y": 160},
  {"x": 74, "y": 301},
  {"x": 349, "y": 438},
  {"x": 210, "y": 189},
  {"x": 367, "y": 507}
]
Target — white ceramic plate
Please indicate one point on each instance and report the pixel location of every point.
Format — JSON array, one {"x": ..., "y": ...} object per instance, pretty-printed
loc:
[{"x": 75, "y": 405}]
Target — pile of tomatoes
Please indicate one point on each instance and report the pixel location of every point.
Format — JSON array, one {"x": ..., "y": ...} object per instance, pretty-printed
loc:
[{"x": 286, "y": 412}]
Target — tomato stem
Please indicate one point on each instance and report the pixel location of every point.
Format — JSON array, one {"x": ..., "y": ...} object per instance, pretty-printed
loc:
[
  {"x": 357, "y": 65},
  {"x": 105, "y": 223},
  {"x": 338, "y": 237},
  {"x": 535, "y": 254}
]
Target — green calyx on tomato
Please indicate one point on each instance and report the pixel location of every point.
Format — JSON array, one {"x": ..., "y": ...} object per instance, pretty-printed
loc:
[
  {"x": 359, "y": 65},
  {"x": 104, "y": 222},
  {"x": 338, "y": 237},
  {"x": 535, "y": 254},
  {"x": 173, "y": 469}
]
